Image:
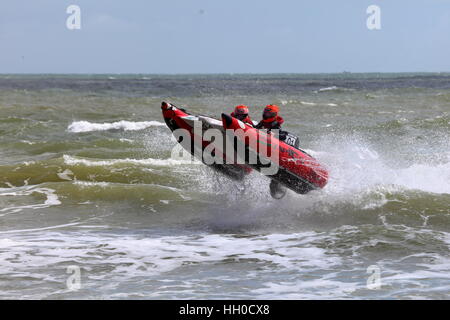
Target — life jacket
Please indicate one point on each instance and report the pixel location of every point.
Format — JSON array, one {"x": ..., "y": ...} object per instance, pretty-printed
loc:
[
  {"x": 241, "y": 110},
  {"x": 246, "y": 119},
  {"x": 271, "y": 123}
]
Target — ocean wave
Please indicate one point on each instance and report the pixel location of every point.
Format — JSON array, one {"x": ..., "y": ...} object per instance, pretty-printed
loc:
[
  {"x": 354, "y": 168},
  {"x": 439, "y": 122},
  {"x": 155, "y": 256},
  {"x": 51, "y": 198},
  {"x": 86, "y": 126},
  {"x": 306, "y": 103},
  {"x": 147, "y": 195},
  {"x": 70, "y": 168},
  {"x": 299, "y": 265},
  {"x": 435, "y": 179},
  {"x": 332, "y": 88},
  {"x": 70, "y": 160}
]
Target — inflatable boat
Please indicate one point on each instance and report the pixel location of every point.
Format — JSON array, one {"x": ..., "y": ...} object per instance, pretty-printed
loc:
[
  {"x": 195, "y": 143},
  {"x": 297, "y": 170},
  {"x": 277, "y": 156}
]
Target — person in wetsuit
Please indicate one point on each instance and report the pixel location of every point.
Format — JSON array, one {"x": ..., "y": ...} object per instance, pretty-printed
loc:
[
  {"x": 241, "y": 113},
  {"x": 271, "y": 120}
]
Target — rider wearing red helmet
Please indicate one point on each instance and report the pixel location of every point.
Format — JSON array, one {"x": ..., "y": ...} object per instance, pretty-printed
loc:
[
  {"x": 271, "y": 119},
  {"x": 241, "y": 113}
]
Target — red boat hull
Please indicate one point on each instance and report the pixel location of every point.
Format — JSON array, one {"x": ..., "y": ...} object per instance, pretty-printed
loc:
[
  {"x": 297, "y": 170},
  {"x": 177, "y": 118}
]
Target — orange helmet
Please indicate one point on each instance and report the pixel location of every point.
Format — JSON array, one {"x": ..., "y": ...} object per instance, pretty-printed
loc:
[
  {"x": 241, "y": 110},
  {"x": 270, "y": 112}
]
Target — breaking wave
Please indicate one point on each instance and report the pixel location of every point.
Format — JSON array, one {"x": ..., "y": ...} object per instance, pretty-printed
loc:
[{"x": 86, "y": 126}]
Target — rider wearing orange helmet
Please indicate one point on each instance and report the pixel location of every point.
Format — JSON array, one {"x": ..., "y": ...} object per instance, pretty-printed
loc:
[
  {"x": 241, "y": 113},
  {"x": 271, "y": 119}
]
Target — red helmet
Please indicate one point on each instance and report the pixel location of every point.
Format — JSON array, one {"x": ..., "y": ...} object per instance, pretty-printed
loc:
[
  {"x": 241, "y": 110},
  {"x": 270, "y": 112}
]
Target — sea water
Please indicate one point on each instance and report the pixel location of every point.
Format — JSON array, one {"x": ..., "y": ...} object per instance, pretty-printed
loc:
[{"x": 89, "y": 194}]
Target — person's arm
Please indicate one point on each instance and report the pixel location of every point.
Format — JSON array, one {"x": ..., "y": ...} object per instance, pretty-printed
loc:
[
  {"x": 280, "y": 121},
  {"x": 249, "y": 121},
  {"x": 276, "y": 125},
  {"x": 259, "y": 125}
]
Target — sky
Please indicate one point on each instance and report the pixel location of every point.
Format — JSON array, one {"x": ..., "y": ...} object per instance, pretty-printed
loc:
[{"x": 224, "y": 36}]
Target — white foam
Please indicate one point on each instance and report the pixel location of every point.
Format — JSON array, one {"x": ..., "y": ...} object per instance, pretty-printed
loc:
[
  {"x": 153, "y": 256},
  {"x": 28, "y": 142},
  {"x": 301, "y": 265},
  {"x": 91, "y": 184},
  {"x": 52, "y": 198},
  {"x": 35, "y": 229},
  {"x": 308, "y": 103},
  {"x": 69, "y": 160},
  {"x": 357, "y": 169},
  {"x": 307, "y": 289},
  {"x": 332, "y": 88},
  {"x": 427, "y": 178},
  {"x": 66, "y": 175},
  {"x": 86, "y": 126}
]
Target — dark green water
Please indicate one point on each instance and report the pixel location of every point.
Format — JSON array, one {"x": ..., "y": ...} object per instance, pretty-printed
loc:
[{"x": 86, "y": 180}]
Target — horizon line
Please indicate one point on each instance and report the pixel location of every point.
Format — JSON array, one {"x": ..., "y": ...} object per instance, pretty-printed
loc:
[{"x": 222, "y": 73}]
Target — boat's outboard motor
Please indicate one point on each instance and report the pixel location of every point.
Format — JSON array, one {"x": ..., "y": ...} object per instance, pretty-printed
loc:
[
  {"x": 289, "y": 139},
  {"x": 277, "y": 191}
]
